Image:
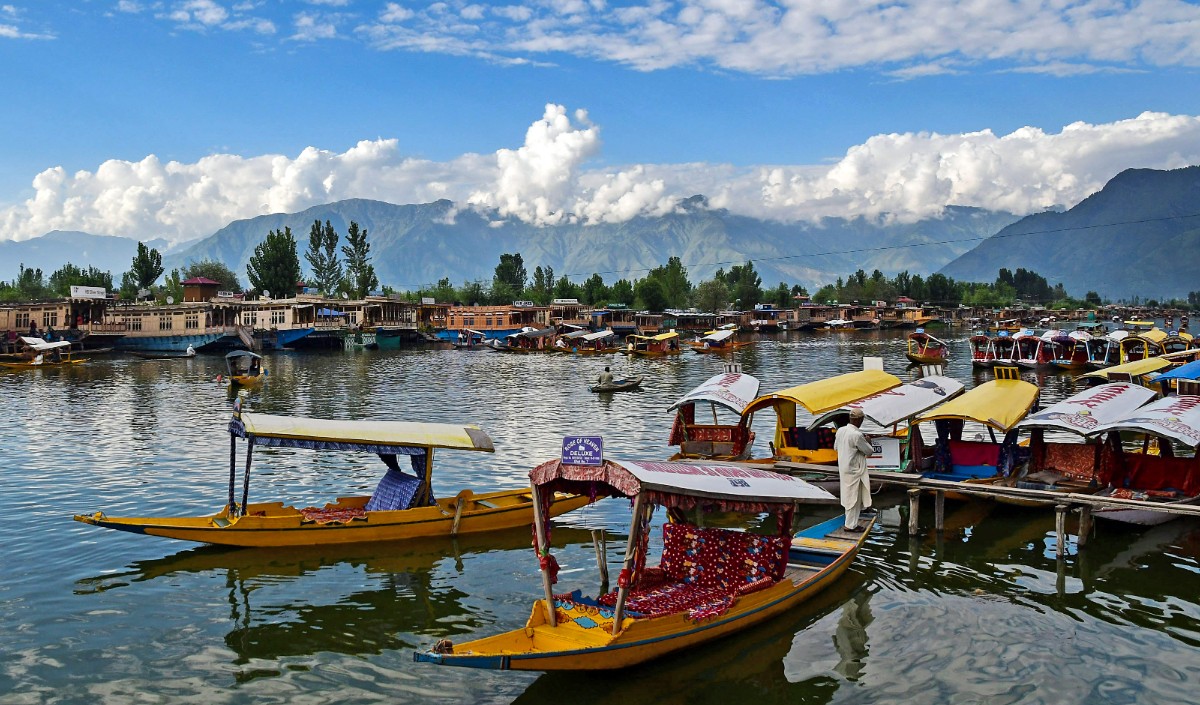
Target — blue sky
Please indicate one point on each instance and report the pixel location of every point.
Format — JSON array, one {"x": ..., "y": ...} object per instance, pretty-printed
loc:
[{"x": 169, "y": 118}]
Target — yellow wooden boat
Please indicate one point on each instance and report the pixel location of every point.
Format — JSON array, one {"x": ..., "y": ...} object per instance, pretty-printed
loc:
[
  {"x": 924, "y": 349},
  {"x": 816, "y": 398},
  {"x": 402, "y": 506},
  {"x": 245, "y": 369},
  {"x": 659, "y": 345},
  {"x": 40, "y": 354},
  {"x": 711, "y": 582}
]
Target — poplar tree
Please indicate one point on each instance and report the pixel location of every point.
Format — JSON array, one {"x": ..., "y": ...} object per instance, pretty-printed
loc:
[
  {"x": 322, "y": 257},
  {"x": 275, "y": 267},
  {"x": 360, "y": 273}
]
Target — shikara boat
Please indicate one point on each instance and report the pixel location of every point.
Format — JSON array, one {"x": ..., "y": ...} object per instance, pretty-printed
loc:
[
  {"x": 1138, "y": 371},
  {"x": 1034, "y": 350},
  {"x": 468, "y": 339},
  {"x": 1059, "y": 466},
  {"x": 993, "y": 407},
  {"x": 245, "y": 369},
  {"x": 719, "y": 341},
  {"x": 1153, "y": 472},
  {"x": 659, "y": 345},
  {"x": 728, "y": 392},
  {"x": 983, "y": 350},
  {"x": 1070, "y": 351},
  {"x": 793, "y": 441},
  {"x": 401, "y": 507},
  {"x": 40, "y": 354},
  {"x": 886, "y": 418},
  {"x": 924, "y": 349},
  {"x": 600, "y": 342},
  {"x": 710, "y": 582},
  {"x": 617, "y": 385}
]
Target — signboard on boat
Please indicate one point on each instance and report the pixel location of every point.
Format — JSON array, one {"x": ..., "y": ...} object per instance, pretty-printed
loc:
[
  {"x": 89, "y": 292},
  {"x": 886, "y": 455},
  {"x": 583, "y": 450}
]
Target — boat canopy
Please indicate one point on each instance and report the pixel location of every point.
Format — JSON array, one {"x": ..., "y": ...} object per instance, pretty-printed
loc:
[
  {"x": 575, "y": 335},
  {"x": 733, "y": 390},
  {"x": 42, "y": 346},
  {"x": 237, "y": 354},
  {"x": 1154, "y": 335},
  {"x": 682, "y": 485},
  {"x": 660, "y": 337},
  {"x": 920, "y": 335},
  {"x": 1133, "y": 369},
  {"x": 1176, "y": 418},
  {"x": 899, "y": 404},
  {"x": 829, "y": 394},
  {"x": 533, "y": 333},
  {"x": 385, "y": 437},
  {"x": 1084, "y": 412},
  {"x": 598, "y": 335},
  {"x": 997, "y": 404},
  {"x": 718, "y": 336},
  {"x": 1189, "y": 371}
]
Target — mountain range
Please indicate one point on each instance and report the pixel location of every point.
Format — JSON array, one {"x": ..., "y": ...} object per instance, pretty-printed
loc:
[
  {"x": 416, "y": 245},
  {"x": 1138, "y": 236}
]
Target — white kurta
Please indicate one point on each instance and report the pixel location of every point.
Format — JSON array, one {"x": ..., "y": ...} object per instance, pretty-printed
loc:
[{"x": 853, "y": 448}]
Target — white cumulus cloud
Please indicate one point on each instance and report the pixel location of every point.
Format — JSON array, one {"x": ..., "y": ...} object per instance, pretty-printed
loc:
[{"x": 547, "y": 179}]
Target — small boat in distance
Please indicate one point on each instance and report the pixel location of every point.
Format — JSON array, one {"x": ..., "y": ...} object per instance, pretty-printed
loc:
[
  {"x": 245, "y": 369},
  {"x": 709, "y": 583},
  {"x": 924, "y": 349},
  {"x": 617, "y": 385},
  {"x": 401, "y": 507},
  {"x": 718, "y": 341},
  {"x": 39, "y": 354},
  {"x": 659, "y": 345}
]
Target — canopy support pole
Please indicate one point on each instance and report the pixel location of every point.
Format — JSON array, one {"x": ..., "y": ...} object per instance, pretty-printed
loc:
[
  {"x": 232, "y": 468},
  {"x": 600, "y": 543},
  {"x": 246, "y": 474},
  {"x": 539, "y": 536},
  {"x": 635, "y": 540}
]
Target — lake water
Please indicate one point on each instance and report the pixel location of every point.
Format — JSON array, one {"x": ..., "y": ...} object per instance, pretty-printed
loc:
[{"x": 982, "y": 613}]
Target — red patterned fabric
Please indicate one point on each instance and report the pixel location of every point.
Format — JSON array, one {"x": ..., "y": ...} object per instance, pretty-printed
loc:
[
  {"x": 1074, "y": 460},
  {"x": 331, "y": 516}
]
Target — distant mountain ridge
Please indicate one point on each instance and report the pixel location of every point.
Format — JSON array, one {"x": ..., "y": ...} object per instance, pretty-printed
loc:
[
  {"x": 416, "y": 245},
  {"x": 1138, "y": 236},
  {"x": 51, "y": 251}
]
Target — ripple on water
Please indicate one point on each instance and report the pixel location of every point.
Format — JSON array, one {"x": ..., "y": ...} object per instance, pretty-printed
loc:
[{"x": 975, "y": 614}]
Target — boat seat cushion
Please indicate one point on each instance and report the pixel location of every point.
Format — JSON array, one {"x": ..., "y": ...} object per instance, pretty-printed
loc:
[
  {"x": 1074, "y": 460},
  {"x": 395, "y": 491},
  {"x": 703, "y": 449},
  {"x": 720, "y": 558}
]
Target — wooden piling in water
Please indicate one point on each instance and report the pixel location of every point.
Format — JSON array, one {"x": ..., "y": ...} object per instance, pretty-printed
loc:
[
  {"x": 939, "y": 509},
  {"x": 1060, "y": 529},
  {"x": 1085, "y": 524},
  {"x": 914, "y": 504}
]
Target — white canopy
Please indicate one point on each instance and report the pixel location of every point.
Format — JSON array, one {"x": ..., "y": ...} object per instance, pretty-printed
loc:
[
  {"x": 1086, "y": 411},
  {"x": 723, "y": 482},
  {"x": 718, "y": 336},
  {"x": 733, "y": 390},
  {"x": 42, "y": 346},
  {"x": 598, "y": 335},
  {"x": 899, "y": 403},
  {"x": 1177, "y": 418}
]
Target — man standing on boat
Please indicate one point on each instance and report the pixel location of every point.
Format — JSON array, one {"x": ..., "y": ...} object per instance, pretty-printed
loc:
[{"x": 853, "y": 449}]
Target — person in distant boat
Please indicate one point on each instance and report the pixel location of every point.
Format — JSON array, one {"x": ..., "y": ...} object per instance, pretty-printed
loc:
[
  {"x": 606, "y": 378},
  {"x": 853, "y": 448},
  {"x": 55, "y": 355},
  {"x": 190, "y": 352},
  {"x": 33, "y": 331}
]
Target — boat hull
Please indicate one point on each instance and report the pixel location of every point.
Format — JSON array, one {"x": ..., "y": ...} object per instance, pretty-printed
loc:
[
  {"x": 273, "y": 524},
  {"x": 621, "y": 385},
  {"x": 585, "y": 642}
]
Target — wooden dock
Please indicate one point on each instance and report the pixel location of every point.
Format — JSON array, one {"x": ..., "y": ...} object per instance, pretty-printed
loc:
[{"x": 1062, "y": 502}]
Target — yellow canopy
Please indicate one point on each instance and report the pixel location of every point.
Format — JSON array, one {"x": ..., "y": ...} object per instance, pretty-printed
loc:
[
  {"x": 829, "y": 394},
  {"x": 376, "y": 433},
  {"x": 1133, "y": 369},
  {"x": 1154, "y": 335},
  {"x": 1000, "y": 404},
  {"x": 661, "y": 336}
]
